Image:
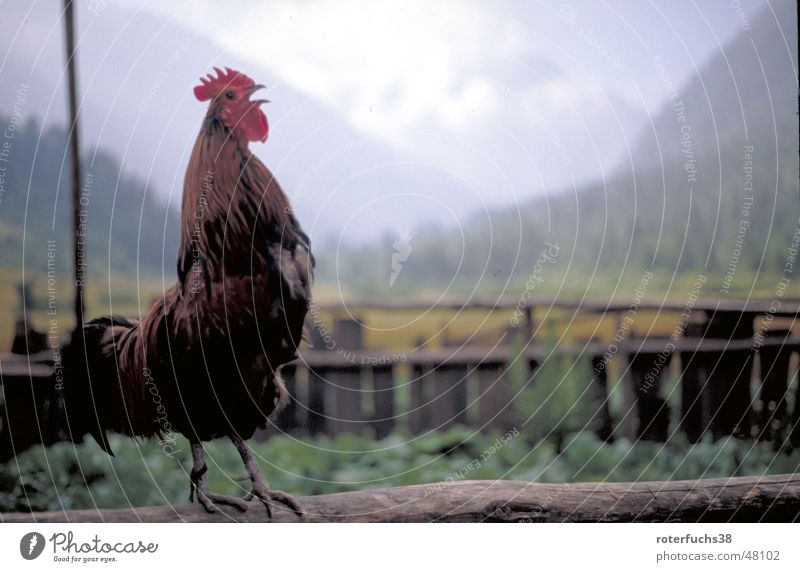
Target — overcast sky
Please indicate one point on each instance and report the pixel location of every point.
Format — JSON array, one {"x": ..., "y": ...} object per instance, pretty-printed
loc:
[
  {"x": 392, "y": 68},
  {"x": 455, "y": 106}
]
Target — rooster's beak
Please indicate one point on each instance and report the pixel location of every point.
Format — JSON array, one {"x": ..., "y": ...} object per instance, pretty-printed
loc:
[{"x": 254, "y": 89}]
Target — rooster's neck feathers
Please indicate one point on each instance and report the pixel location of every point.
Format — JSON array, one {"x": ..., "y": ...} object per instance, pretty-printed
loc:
[
  {"x": 231, "y": 202},
  {"x": 224, "y": 184}
]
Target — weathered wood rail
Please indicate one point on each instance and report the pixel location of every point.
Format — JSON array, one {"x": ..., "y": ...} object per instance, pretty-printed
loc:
[{"x": 742, "y": 499}]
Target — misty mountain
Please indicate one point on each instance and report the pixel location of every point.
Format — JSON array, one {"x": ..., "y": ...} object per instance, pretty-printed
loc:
[
  {"x": 710, "y": 186},
  {"x": 127, "y": 230}
]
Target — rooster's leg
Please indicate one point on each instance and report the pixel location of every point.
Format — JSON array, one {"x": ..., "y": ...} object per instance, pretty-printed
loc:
[
  {"x": 199, "y": 485},
  {"x": 259, "y": 487}
]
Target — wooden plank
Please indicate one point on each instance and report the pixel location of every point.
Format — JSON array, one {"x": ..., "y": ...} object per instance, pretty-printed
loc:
[
  {"x": 316, "y": 420},
  {"x": 21, "y": 369},
  {"x": 773, "y": 498},
  {"x": 472, "y": 355},
  {"x": 645, "y": 376},
  {"x": 771, "y": 416},
  {"x": 29, "y": 414},
  {"x": 729, "y": 324},
  {"x": 694, "y": 417},
  {"x": 383, "y": 399},
  {"x": 418, "y": 415},
  {"x": 794, "y": 431},
  {"x": 789, "y": 308},
  {"x": 707, "y": 345},
  {"x": 729, "y": 399},
  {"x": 345, "y": 386},
  {"x": 629, "y": 422},
  {"x": 349, "y": 333},
  {"x": 448, "y": 403},
  {"x": 494, "y": 397},
  {"x": 530, "y": 323},
  {"x": 602, "y": 423}
]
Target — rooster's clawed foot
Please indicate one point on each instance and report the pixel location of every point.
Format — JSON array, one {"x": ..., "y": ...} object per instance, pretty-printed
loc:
[
  {"x": 258, "y": 487},
  {"x": 199, "y": 489},
  {"x": 269, "y": 497}
]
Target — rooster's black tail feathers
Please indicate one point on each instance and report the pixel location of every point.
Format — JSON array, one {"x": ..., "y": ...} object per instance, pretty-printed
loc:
[{"x": 89, "y": 363}]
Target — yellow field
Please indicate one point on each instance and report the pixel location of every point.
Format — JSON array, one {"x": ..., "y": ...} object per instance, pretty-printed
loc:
[
  {"x": 404, "y": 329},
  {"x": 118, "y": 294}
]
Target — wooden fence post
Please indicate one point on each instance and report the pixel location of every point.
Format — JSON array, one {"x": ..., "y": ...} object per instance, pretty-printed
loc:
[
  {"x": 729, "y": 373},
  {"x": 383, "y": 399},
  {"x": 603, "y": 424},
  {"x": 646, "y": 372},
  {"x": 694, "y": 406},
  {"x": 729, "y": 393},
  {"x": 418, "y": 416},
  {"x": 771, "y": 417},
  {"x": 493, "y": 403},
  {"x": 317, "y": 382},
  {"x": 345, "y": 385},
  {"x": 449, "y": 401}
]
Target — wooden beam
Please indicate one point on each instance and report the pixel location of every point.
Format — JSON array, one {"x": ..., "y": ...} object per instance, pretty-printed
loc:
[
  {"x": 75, "y": 156},
  {"x": 773, "y": 498},
  {"x": 586, "y": 305},
  {"x": 383, "y": 400}
]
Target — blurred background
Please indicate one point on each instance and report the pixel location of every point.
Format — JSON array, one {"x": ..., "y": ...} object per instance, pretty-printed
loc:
[{"x": 560, "y": 232}]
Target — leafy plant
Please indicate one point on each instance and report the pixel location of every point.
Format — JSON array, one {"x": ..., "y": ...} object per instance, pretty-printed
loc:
[{"x": 68, "y": 477}]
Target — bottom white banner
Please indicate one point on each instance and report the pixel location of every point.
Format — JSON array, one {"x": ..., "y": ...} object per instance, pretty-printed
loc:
[{"x": 399, "y": 546}]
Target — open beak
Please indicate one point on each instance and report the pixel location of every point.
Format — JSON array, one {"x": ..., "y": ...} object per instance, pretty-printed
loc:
[{"x": 254, "y": 89}]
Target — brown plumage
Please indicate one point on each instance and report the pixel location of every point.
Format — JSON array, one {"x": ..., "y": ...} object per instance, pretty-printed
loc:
[{"x": 204, "y": 360}]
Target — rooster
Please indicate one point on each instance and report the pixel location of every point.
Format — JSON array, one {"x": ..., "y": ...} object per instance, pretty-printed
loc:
[{"x": 204, "y": 360}]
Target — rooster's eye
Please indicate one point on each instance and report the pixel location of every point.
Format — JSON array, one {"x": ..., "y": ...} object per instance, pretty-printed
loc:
[{"x": 230, "y": 95}]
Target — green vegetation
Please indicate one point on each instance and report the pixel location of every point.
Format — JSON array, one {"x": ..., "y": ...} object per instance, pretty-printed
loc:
[
  {"x": 552, "y": 402},
  {"x": 69, "y": 476}
]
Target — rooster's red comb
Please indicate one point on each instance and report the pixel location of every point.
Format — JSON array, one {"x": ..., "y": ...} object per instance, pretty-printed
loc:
[{"x": 211, "y": 86}]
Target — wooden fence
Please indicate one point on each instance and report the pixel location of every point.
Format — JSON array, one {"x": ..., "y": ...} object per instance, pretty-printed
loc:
[{"x": 733, "y": 380}]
